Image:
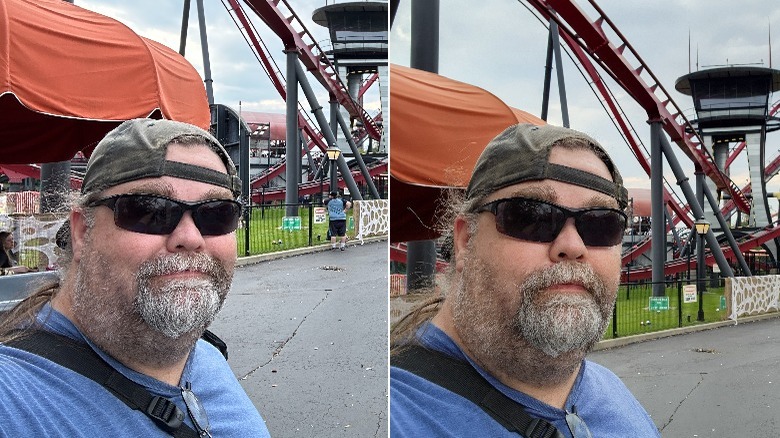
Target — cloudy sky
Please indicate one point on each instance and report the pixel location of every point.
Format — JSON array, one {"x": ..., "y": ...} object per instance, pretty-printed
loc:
[
  {"x": 237, "y": 75},
  {"x": 500, "y": 46}
]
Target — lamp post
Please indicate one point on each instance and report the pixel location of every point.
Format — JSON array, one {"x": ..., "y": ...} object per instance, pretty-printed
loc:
[
  {"x": 333, "y": 154},
  {"x": 702, "y": 227}
]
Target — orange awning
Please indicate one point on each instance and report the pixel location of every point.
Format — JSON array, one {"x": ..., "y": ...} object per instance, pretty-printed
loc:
[
  {"x": 438, "y": 129},
  {"x": 69, "y": 75}
]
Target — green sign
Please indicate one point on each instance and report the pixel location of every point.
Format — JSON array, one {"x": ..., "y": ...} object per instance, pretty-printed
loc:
[
  {"x": 351, "y": 223},
  {"x": 290, "y": 223},
  {"x": 659, "y": 303},
  {"x": 722, "y": 302}
]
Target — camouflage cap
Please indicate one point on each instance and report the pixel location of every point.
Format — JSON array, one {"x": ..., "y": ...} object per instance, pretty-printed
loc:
[
  {"x": 522, "y": 152},
  {"x": 136, "y": 149}
]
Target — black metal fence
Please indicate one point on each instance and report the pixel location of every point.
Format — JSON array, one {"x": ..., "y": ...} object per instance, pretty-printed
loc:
[
  {"x": 280, "y": 227},
  {"x": 638, "y": 311}
]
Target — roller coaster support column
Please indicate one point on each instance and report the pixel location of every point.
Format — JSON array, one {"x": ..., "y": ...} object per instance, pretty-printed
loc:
[
  {"x": 657, "y": 224},
  {"x": 334, "y": 128},
  {"x": 329, "y": 137},
  {"x": 358, "y": 157},
  {"x": 701, "y": 273},
  {"x": 421, "y": 254},
  {"x": 204, "y": 45},
  {"x": 724, "y": 226},
  {"x": 698, "y": 212},
  {"x": 554, "y": 47},
  {"x": 292, "y": 172}
]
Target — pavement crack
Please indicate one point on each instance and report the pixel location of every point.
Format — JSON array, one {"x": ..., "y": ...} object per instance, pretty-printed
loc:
[
  {"x": 671, "y": 417},
  {"x": 281, "y": 346},
  {"x": 378, "y": 424}
]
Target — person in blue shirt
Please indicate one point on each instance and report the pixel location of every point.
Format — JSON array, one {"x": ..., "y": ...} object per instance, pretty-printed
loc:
[
  {"x": 148, "y": 258},
  {"x": 337, "y": 216},
  {"x": 534, "y": 251}
]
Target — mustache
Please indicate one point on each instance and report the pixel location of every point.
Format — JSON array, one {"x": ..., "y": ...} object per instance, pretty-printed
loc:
[
  {"x": 170, "y": 264},
  {"x": 563, "y": 273}
]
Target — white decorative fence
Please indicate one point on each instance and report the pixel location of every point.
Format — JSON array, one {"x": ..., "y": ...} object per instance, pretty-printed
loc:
[
  {"x": 752, "y": 295},
  {"x": 372, "y": 218}
]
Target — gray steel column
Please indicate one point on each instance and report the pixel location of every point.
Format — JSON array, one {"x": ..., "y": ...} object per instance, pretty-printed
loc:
[
  {"x": 701, "y": 273},
  {"x": 421, "y": 254},
  {"x": 331, "y": 139},
  {"x": 425, "y": 35},
  {"x": 204, "y": 47},
  {"x": 727, "y": 232},
  {"x": 185, "y": 22},
  {"x": 698, "y": 212},
  {"x": 547, "y": 74},
  {"x": 291, "y": 136},
  {"x": 559, "y": 70},
  {"x": 335, "y": 108},
  {"x": 657, "y": 225},
  {"x": 358, "y": 157}
]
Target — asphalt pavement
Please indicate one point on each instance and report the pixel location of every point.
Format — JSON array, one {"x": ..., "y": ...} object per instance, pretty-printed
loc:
[
  {"x": 723, "y": 382},
  {"x": 307, "y": 339}
]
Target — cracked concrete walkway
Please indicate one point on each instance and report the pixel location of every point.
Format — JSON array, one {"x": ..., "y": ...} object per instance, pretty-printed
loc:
[
  {"x": 717, "y": 383},
  {"x": 307, "y": 336}
]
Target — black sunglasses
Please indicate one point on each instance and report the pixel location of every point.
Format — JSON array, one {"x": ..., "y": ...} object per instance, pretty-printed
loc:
[
  {"x": 155, "y": 214},
  {"x": 540, "y": 221},
  {"x": 196, "y": 411}
]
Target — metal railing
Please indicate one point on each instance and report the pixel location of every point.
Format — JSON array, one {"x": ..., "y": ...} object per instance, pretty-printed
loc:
[{"x": 637, "y": 311}]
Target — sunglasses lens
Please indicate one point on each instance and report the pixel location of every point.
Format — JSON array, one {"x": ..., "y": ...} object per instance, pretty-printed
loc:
[
  {"x": 529, "y": 220},
  {"x": 147, "y": 214},
  {"x": 601, "y": 227},
  {"x": 215, "y": 218}
]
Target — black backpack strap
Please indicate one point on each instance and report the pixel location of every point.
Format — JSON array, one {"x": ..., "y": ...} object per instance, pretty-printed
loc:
[
  {"x": 462, "y": 379},
  {"x": 82, "y": 359}
]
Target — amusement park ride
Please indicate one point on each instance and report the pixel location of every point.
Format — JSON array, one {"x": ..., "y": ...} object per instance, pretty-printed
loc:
[
  {"x": 733, "y": 108},
  {"x": 359, "y": 40}
]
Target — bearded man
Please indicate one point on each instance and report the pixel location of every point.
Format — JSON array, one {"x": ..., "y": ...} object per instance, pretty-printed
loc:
[
  {"x": 148, "y": 263},
  {"x": 533, "y": 276}
]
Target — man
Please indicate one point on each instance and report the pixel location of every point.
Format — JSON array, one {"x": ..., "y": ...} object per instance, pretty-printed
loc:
[
  {"x": 534, "y": 272},
  {"x": 149, "y": 261},
  {"x": 337, "y": 214}
]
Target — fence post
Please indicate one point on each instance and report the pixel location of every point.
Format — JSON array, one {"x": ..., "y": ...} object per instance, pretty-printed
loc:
[
  {"x": 679, "y": 301},
  {"x": 614, "y": 318},
  {"x": 311, "y": 222}
]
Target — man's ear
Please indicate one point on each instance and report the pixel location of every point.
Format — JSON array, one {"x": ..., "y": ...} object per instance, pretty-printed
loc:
[
  {"x": 78, "y": 232},
  {"x": 460, "y": 240}
]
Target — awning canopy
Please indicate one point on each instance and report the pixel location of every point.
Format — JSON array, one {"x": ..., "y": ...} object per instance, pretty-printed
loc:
[
  {"x": 438, "y": 129},
  {"x": 69, "y": 75}
]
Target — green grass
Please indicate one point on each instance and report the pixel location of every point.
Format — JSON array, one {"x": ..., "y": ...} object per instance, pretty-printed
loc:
[
  {"x": 266, "y": 234},
  {"x": 633, "y": 311}
]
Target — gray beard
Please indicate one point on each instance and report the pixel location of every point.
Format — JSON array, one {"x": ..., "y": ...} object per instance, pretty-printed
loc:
[
  {"x": 180, "y": 306},
  {"x": 542, "y": 340},
  {"x": 133, "y": 321},
  {"x": 563, "y": 323}
]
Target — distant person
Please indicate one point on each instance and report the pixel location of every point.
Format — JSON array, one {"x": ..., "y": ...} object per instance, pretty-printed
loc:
[
  {"x": 114, "y": 347},
  {"x": 9, "y": 262},
  {"x": 337, "y": 214},
  {"x": 532, "y": 280}
]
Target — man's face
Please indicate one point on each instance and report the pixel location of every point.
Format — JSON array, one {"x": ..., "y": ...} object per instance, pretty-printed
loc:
[
  {"x": 130, "y": 283},
  {"x": 555, "y": 297}
]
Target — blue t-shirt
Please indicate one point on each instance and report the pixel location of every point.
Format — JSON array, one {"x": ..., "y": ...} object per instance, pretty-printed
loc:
[
  {"x": 419, "y": 408},
  {"x": 39, "y": 398},
  {"x": 336, "y": 208}
]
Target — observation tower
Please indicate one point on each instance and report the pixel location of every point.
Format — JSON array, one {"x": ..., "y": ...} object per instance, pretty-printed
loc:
[
  {"x": 358, "y": 33},
  {"x": 732, "y": 106}
]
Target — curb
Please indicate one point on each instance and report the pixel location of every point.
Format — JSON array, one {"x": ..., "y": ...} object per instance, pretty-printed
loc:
[
  {"x": 628, "y": 340},
  {"x": 251, "y": 260}
]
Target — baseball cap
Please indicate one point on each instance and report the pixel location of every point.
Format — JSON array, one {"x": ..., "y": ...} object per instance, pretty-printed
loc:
[
  {"x": 136, "y": 149},
  {"x": 522, "y": 153}
]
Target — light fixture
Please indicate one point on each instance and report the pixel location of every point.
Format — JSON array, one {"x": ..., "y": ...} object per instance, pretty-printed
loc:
[
  {"x": 702, "y": 226},
  {"x": 333, "y": 153}
]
